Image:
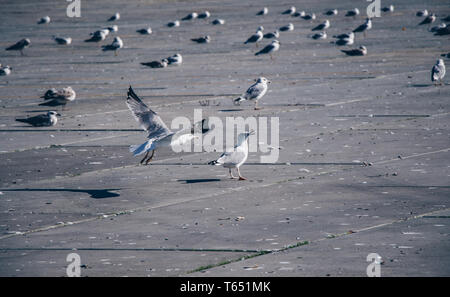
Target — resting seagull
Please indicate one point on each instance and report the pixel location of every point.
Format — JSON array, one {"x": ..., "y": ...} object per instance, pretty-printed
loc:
[
  {"x": 429, "y": 19},
  {"x": 218, "y": 22},
  {"x": 5, "y": 70},
  {"x": 59, "y": 97},
  {"x": 173, "y": 24},
  {"x": 176, "y": 59},
  {"x": 290, "y": 10},
  {"x": 361, "y": 51},
  {"x": 159, "y": 134},
  {"x": 323, "y": 26},
  {"x": 288, "y": 27},
  {"x": 320, "y": 35},
  {"x": 44, "y": 20},
  {"x": 332, "y": 12},
  {"x": 270, "y": 48},
  {"x": 115, "y": 17},
  {"x": 254, "y": 92},
  {"x": 62, "y": 40},
  {"x": 20, "y": 45},
  {"x": 42, "y": 120},
  {"x": 354, "y": 12},
  {"x": 438, "y": 72},
  {"x": 157, "y": 64},
  {"x": 145, "y": 31},
  {"x": 99, "y": 35},
  {"x": 263, "y": 11},
  {"x": 271, "y": 35},
  {"x": 205, "y": 39},
  {"x": 191, "y": 16},
  {"x": 237, "y": 157}
]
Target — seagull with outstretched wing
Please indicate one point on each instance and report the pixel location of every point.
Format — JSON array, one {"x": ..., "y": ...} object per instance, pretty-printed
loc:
[{"x": 159, "y": 135}]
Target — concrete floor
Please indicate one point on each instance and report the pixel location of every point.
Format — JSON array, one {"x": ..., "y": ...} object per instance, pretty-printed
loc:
[{"x": 317, "y": 211}]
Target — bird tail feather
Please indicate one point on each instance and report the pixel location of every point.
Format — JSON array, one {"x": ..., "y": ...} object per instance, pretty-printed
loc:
[
  {"x": 139, "y": 149},
  {"x": 214, "y": 163}
]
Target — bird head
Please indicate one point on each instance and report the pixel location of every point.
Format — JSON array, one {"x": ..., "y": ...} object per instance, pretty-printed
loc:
[{"x": 53, "y": 113}]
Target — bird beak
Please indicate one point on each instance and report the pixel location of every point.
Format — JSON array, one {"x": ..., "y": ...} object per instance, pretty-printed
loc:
[
  {"x": 252, "y": 132},
  {"x": 269, "y": 82}
]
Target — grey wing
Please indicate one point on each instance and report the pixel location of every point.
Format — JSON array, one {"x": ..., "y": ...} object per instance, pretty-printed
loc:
[
  {"x": 254, "y": 91},
  {"x": 234, "y": 157},
  {"x": 436, "y": 72},
  {"x": 147, "y": 118}
]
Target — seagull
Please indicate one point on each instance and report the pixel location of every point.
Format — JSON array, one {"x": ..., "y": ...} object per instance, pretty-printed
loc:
[
  {"x": 157, "y": 64},
  {"x": 288, "y": 27},
  {"x": 390, "y": 8},
  {"x": 269, "y": 49},
  {"x": 345, "y": 41},
  {"x": 446, "y": 55},
  {"x": 204, "y": 15},
  {"x": 113, "y": 28},
  {"x": 309, "y": 16},
  {"x": 437, "y": 28},
  {"x": 364, "y": 27},
  {"x": 264, "y": 11},
  {"x": 176, "y": 59},
  {"x": 6, "y": 70},
  {"x": 44, "y": 20},
  {"x": 323, "y": 26},
  {"x": 446, "y": 19},
  {"x": 144, "y": 31},
  {"x": 191, "y": 16},
  {"x": 60, "y": 97},
  {"x": 299, "y": 14},
  {"x": 271, "y": 35},
  {"x": 50, "y": 94},
  {"x": 422, "y": 13},
  {"x": 254, "y": 92},
  {"x": 345, "y": 35},
  {"x": 332, "y": 12},
  {"x": 361, "y": 51},
  {"x": 255, "y": 37},
  {"x": 114, "y": 46},
  {"x": 115, "y": 17},
  {"x": 20, "y": 45},
  {"x": 235, "y": 158},
  {"x": 62, "y": 40},
  {"x": 159, "y": 134},
  {"x": 429, "y": 19},
  {"x": 443, "y": 31},
  {"x": 42, "y": 120},
  {"x": 354, "y": 12},
  {"x": 320, "y": 35},
  {"x": 290, "y": 10},
  {"x": 205, "y": 39},
  {"x": 99, "y": 35},
  {"x": 173, "y": 24},
  {"x": 218, "y": 22},
  {"x": 438, "y": 72}
]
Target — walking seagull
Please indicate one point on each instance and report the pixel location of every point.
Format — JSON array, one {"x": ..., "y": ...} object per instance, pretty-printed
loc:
[
  {"x": 438, "y": 72},
  {"x": 270, "y": 48},
  {"x": 237, "y": 157},
  {"x": 159, "y": 134},
  {"x": 255, "y": 91},
  {"x": 20, "y": 45},
  {"x": 42, "y": 120}
]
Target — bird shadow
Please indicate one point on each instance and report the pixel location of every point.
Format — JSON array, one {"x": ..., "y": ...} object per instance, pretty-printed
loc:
[
  {"x": 94, "y": 193},
  {"x": 421, "y": 85},
  {"x": 231, "y": 110},
  {"x": 201, "y": 180}
]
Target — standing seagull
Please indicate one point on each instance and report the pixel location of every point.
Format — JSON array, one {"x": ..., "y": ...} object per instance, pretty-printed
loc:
[
  {"x": 114, "y": 46},
  {"x": 20, "y": 45},
  {"x": 237, "y": 157},
  {"x": 263, "y": 11},
  {"x": 97, "y": 36},
  {"x": 42, "y": 120},
  {"x": 438, "y": 72},
  {"x": 270, "y": 48},
  {"x": 255, "y": 37},
  {"x": 323, "y": 26},
  {"x": 429, "y": 19},
  {"x": 255, "y": 91},
  {"x": 364, "y": 27},
  {"x": 159, "y": 134},
  {"x": 288, "y": 27}
]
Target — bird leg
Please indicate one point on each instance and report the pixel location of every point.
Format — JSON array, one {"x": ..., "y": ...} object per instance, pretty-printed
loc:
[
  {"x": 231, "y": 174},
  {"x": 150, "y": 158},
  {"x": 145, "y": 157},
  {"x": 256, "y": 105},
  {"x": 271, "y": 57},
  {"x": 365, "y": 35},
  {"x": 21, "y": 53},
  {"x": 240, "y": 176},
  {"x": 115, "y": 53}
]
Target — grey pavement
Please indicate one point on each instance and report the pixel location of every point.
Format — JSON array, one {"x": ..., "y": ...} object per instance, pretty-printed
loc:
[{"x": 364, "y": 145}]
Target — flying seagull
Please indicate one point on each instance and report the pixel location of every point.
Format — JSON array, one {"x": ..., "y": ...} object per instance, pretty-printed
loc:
[
  {"x": 159, "y": 134},
  {"x": 438, "y": 72},
  {"x": 20, "y": 45},
  {"x": 59, "y": 97},
  {"x": 42, "y": 120},
  {"x": 361, "y": 51},
  {"x": 236, "y": 157},
  {"x": 254, "y": 92},
  {"x": 114, "y": 46},
  {"x": 157, "y": 64},
  {"x": 269, "y": 49}
]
